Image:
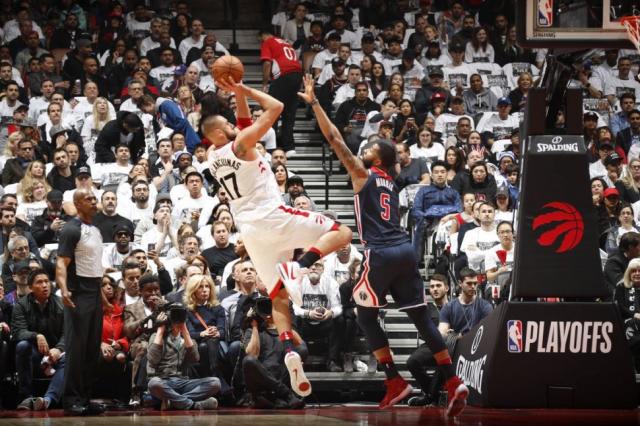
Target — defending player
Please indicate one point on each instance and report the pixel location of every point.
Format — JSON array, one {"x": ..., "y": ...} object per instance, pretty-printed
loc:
[
  {"x": 389, "y": 263},
  {"x": 270, "y": 230}
]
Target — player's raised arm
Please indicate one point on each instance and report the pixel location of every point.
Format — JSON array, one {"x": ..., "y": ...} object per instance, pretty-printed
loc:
[
  {"x": 354, "y": 166},
  {"x": 249, "y": 136},
  {"x": 242, "y": 112}
]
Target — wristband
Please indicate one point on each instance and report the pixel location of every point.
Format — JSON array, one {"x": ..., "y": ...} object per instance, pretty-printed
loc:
[
  {"x": 242, "y": 122},
  {"x": 314, "y": 102}
]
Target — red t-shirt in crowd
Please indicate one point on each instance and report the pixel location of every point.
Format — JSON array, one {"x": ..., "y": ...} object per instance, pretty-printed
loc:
[{"x": 282, "y": 56}]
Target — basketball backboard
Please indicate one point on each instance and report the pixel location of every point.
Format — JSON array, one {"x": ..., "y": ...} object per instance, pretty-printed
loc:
[{"x": 579, "y": 24}]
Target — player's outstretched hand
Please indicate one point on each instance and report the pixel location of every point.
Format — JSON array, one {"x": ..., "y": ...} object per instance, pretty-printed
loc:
[
  {"x": 231, "y": 86},
  {"x": 309, "y": 84}
]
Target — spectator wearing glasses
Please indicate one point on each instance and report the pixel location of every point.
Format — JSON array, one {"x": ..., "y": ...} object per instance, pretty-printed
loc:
[
  {"x": 14, "y": 168},
  {"x": 113, "y": 258},
  {"x": 17, "y": 251}
]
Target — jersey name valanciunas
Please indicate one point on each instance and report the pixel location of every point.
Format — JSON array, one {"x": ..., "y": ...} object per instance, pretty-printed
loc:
[
  {"x": 377, "y": 209},
  {"x": 251, "y": 185}
]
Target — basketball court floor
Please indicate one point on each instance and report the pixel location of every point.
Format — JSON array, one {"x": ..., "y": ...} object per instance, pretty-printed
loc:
[
  {"x": 568, "y": 24},
  {"x": 332, "y": 416}
]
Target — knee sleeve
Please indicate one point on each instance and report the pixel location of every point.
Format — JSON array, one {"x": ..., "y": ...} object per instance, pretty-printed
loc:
[{"x": 368, "y": 321}]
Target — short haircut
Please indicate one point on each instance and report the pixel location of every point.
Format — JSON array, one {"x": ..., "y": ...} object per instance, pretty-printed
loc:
[
  {"x": 504, "y": 222},
  {"x": 217, "y": 223},
  {"x": 132, "y": 121},
  {"x": 467, "y": 272},
  {"x": 146, "y": 99},
  {"x": 108, "y": 191},
  {"x": 127, "y": 266},
  {"x": 488, "y": 203},
  {"x": 628, "y": 241},
  {"x": 438, "y": 163},
  {"x": 138, "y": 250},
  {"x": 59, "y": 150},
  {"x": 440, "y": 277},
  {"x": 146, "y": 279},
  {"x": 3, "y": 199},
  {"x": 627, "y": 95},
  {"x": 194, "y": 173},
  {"x": 135, "y": 81},
  {"x": 33, "y": 274},
  {"x": 387, "y": 154}
]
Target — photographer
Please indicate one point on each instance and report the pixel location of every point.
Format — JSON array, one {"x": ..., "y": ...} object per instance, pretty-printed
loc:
[
  {"x": 629, "y": 305},
  {"x": 262, "y": 367},
  {"x": 168, "y": 352},
  {"x": 138, "y": 324}
]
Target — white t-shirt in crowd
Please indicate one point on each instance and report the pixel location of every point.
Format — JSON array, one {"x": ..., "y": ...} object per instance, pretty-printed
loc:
[{"x": 183, "y": 208}]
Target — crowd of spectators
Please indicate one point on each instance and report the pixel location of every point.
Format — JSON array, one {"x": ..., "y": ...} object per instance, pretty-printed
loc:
[{"x": 109, "y": 98}]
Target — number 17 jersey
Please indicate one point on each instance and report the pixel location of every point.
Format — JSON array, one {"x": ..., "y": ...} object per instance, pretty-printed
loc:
[
  {"x": 377, "y": 208},
  {"x": 251, "y": 186}
]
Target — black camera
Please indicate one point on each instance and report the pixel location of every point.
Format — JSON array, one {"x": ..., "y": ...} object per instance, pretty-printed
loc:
[
  {"x": 176, "y": 314},
  {"x": 259, "y": 309}
]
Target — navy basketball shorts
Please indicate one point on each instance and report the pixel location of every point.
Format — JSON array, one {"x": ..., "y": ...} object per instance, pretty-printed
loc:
[{"x": 389, "y": 270}]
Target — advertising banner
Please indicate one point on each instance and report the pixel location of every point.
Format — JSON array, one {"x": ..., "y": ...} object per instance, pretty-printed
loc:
[{"x": 548, "y": 355}]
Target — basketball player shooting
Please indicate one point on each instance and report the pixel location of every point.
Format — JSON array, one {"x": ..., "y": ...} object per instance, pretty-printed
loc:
[
  {"x": 389, "y": 263},
  {"x": 271, "y": 230}
]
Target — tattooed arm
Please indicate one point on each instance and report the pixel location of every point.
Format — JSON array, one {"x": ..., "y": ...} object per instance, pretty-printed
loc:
[{"x": 354, "y": 166}]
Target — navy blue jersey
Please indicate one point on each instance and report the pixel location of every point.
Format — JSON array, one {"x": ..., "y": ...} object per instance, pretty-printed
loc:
[{"x": 377, "y": 208}]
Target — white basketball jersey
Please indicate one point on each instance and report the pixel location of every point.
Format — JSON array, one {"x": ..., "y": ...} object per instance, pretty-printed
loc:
[{"x": 251, "y": 185}]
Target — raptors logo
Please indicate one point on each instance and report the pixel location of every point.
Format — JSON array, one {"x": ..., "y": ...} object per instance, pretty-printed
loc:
[{"x": 562, "y": 221}]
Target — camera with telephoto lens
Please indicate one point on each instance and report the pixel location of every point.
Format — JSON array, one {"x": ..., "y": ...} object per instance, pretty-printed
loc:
[
  {"x": 259, "y": 310},
  {"x": 176, "y": 314}
]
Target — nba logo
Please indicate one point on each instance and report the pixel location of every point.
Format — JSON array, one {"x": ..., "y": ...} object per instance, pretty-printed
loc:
[
  {"x": 545, "y": 13},
  {"x": 514, "y": 336}
]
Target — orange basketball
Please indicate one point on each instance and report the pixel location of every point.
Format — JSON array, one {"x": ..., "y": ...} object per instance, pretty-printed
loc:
[{"x": 226, "y": 66}]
